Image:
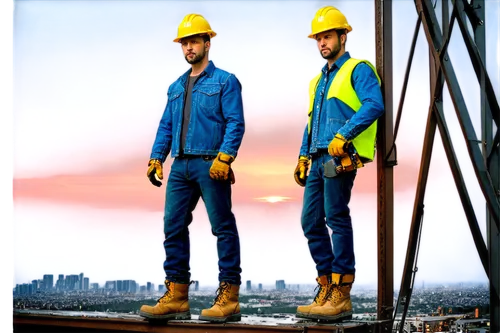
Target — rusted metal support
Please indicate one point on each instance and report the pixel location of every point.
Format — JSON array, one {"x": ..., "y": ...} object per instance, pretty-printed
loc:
[
  {"x": 486, "y": 165},
  {"x": 62, "y": 324},
  {"x": 491, "y": 154},
  {"x": 435, "y": 41},
  {"x": 385, "y": 164},
  {"x": 410, "y": 267},
  {"x": 447, "y": 26},
  {"x": 403, "y": 89}
]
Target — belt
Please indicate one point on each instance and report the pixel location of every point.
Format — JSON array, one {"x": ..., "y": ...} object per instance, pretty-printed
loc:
[
  {"x": 319, "y": 152},
  {"x": 191, "y": 157}
]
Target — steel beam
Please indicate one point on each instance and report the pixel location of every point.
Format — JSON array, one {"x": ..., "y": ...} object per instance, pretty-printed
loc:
[
  {"x": 410, "y": 267},
  {"x": 447, "y": 27},
  {"x": 486, "y": 163},
  {"x": 435, "y": 41},
  {"x": 385, "y": 164},
  {"x": 476, "y": 58},
  {"x": 491, "y": 154},
  {"x": 403, "y": 90},
  {"x": 461, "y": 188}
]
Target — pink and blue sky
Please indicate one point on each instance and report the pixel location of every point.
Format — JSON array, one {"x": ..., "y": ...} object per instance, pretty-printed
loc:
[{"x": 89, "y": 87}]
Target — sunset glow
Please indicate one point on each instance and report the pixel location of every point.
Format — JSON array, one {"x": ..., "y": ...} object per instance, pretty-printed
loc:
[{"x": 273, "y": 199}]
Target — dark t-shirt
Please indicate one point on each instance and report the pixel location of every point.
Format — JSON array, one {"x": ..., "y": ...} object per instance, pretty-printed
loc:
[{"x": 187, "y": 109}]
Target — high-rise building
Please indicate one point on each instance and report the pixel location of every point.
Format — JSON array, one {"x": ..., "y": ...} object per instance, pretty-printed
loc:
[
  {"x": 280, "y": 284},
  {"x": 86, "y": 283},
  {"x": 48, "y": 281},
  {"x": 60, "y": 282},
  {"x": 249, "y": 285},
  {"x": 119, "y": 285},
  {"x": 80, "y": 281},
  {"x": 260, "y": 286},
  {"x": 94, "y": 286}
]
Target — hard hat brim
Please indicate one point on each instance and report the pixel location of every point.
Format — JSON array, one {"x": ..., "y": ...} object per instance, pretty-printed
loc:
[
  {"x": 210, "y": 33},
  {"x": 313, "y": 35}
]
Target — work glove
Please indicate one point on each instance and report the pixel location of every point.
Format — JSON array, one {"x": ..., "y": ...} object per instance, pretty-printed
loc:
[
  {"x": 155, "y": 172},
  {"x": 221, "y": 168},
  {"x": 338, "y": 145},
  {"x": 300, "y": 173}
]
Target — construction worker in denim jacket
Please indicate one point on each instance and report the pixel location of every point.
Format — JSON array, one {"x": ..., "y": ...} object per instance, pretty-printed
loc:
[
  {"x": 345, "y": 102},
  {"x": 202, "y": 128}
]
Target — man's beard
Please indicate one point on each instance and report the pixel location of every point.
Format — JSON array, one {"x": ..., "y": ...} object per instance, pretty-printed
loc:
[
  {"x": 197, "y": 58},
  {"x": 332, "y": 54}
]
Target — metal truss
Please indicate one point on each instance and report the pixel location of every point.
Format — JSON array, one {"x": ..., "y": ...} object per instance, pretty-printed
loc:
[{"x": 484, "y": 153}]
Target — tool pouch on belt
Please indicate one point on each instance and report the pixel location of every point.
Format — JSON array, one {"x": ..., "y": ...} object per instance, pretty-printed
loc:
[{"x": 344, "y": 163}]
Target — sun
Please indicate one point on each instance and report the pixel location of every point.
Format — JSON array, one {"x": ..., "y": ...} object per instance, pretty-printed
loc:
[{"x": 273, "y": 199}]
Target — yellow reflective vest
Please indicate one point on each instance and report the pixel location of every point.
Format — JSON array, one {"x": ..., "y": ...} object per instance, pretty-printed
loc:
[{"x": 342, "y": 89}]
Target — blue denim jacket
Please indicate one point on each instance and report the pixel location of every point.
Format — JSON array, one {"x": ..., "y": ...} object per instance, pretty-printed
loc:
[
  {"x": 337, "y": 117},
  {"x": 216, "y": 124}
]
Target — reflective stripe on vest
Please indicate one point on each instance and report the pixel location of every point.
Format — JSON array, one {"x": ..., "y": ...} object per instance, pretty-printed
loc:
[{"x": 365, "y": 141}]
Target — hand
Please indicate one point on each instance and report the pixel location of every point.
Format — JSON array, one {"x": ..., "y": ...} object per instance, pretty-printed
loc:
[
  {"x": 155, "y": 172},
  {"x": 338, "y": 145},
  {"x": 301, "y": 171},
  {"x": 221, "y": 167}
]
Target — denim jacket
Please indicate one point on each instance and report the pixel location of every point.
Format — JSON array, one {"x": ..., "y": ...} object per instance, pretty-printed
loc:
[
  {"x": 331, "y": 116},
  {"x": 216, "y": 123}
]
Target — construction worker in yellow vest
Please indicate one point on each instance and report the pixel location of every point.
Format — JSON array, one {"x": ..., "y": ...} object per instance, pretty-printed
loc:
[
  {"x": 202, "y": 128},
  {"x": 339, "y": 138}
]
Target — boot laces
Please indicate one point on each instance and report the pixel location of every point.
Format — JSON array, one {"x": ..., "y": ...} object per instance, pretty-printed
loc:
[
  {"x": 222, "y": 293},
  {"x": 335, "y": 294},
  {"x": 322, "y": 292},
  {"x": 168, "y": 294}
]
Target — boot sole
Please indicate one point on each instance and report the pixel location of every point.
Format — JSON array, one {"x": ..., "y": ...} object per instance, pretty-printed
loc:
[
  {"x": 234, "y": 317},
  {"x": 170, "y": 316},
  {"x": 302, "y": 315},
  {"x": 341, "y": 316}
]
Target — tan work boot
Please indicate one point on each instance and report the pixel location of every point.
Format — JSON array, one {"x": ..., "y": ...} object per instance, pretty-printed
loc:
[
  {"x": 338, "y": 306},
  {"x": 324, "y": 286},
  {"x": 172, "y": 305},
  {"x": 226, "y": 305}
]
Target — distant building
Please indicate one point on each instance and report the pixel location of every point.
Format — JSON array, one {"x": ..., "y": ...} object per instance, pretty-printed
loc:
[
  {"x": 260, "y": 286},
  {"x": 80, "y": 281},
  {"x": 48, "y": 281},
  {"x": 60, "y": 282},
  {"x": 249, "y": 285},
  {"x": 94, "y": 286},
  {"x": 86, "y": 282},
  {"x": 473, "y": 325},
  {"x": 280, "y": 285}
]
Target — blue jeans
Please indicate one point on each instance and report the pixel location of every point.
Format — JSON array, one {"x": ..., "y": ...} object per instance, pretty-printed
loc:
[
  {"x": 326, "y": 203},
  {"x": 188, "y": 181}
]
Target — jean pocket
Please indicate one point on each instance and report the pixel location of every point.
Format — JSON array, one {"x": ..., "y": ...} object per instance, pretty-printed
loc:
[{"x": 209, "y": 95}]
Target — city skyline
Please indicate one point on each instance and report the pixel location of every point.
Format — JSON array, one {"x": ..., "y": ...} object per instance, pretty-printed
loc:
[
  {"x": 280, "y": 284},
  {"x": 90, "y": 81}
]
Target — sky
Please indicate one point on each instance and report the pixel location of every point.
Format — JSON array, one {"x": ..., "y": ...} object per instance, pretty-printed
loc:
[{"x": 89, "y": 87}]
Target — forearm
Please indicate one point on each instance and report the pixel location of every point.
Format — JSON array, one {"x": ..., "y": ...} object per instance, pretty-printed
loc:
[
  {"x": 163, "y": 141},
  {"x": 304, "y": 148},
  {"x": 233, "y": 137},
  {"x": 232, "y": 109},
  {"x": 368, "y": 90},
  {"x": 361, "y": 120}
]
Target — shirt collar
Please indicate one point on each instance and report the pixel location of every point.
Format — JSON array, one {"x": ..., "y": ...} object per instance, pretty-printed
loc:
[
  {"x": 337, "y": 64},
  {"x": 209, "y": 71}
]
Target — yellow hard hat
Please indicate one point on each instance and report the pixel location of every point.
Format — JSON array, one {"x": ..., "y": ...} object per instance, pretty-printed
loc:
[
  {"x": 328, "y": 18},
  {"x": 193, "y": 24}
]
